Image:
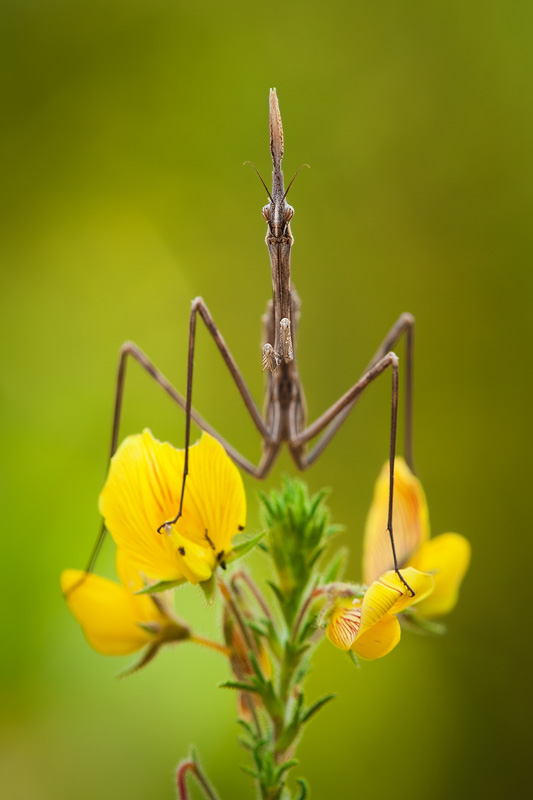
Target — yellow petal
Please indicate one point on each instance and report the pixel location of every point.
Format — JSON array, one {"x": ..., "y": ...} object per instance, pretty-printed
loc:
[
  {"x": 127, "y": 573},
  {"x": 448, "y": 556},
  {"x": 215, "y": 503},
  {"x": 389, "y": 595},
  {"x": 410, "y": 521},
  {"x": 143, "y": 491},
  {"x": 343, "y": 625},
  {"x": 378, "y": 640},
  {"x": 105, "y": 611},
  {"x": 143, "y": 607}
]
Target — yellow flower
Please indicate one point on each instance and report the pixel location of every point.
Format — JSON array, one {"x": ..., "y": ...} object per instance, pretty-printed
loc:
[
  {"x": 446, "y": 556},
  {"x": 369, "y": 625},
  {"x": 143, "y": 491},
  {"x": 114, "y": 619}
]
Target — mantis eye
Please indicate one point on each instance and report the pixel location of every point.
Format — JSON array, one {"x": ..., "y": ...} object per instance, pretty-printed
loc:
[
  {"x": 289, "y": 212},
  {"x": 265, "y": 211}
]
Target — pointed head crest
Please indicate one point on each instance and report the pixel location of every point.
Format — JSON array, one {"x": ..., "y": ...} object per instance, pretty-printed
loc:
[{"x": 276, "y": 131}]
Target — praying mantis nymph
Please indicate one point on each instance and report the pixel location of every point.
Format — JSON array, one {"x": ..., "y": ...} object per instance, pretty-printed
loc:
[{"x": 284, "y": 419}]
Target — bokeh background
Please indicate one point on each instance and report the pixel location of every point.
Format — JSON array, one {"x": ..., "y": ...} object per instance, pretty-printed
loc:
[{"x": 124, "y": 196}]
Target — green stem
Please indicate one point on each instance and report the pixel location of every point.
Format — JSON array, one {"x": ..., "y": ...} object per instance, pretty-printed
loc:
[
  {"x": 249, "y": 581},
  {"x": 248, "y": 638}
]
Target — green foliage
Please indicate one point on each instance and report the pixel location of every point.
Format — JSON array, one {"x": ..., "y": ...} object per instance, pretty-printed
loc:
[
  {"x": 243, "y": 547},
  {"x": 302, "y": 795},
  {"x": 161, "y": 586},
  {"x": 335, "y": 569},
  {"x": 299, "y": 527}
]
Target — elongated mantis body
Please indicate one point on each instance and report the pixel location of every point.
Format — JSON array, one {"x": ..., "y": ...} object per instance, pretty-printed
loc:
[{"x": 284, "y": 420}]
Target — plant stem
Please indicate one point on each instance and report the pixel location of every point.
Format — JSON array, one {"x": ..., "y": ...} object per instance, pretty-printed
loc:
[
  {"x": 219, "y": 648},
  {"x": 249, "y": 581},
  {"x": 181, "y": 780},
  {"x": 248, "y": 638}
]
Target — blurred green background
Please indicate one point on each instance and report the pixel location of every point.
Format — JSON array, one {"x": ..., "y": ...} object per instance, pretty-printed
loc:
[{"x": 124, "y": 196}]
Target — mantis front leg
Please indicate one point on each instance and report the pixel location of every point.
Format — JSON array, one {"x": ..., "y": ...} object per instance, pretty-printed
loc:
[
  {"x": 270, "y": 447},
  {"x": 333, "y": 418},
  {"x": 131, "y": 350}
]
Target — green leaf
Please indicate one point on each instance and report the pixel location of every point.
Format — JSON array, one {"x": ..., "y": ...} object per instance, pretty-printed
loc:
[
  {"x": 161, "y": 586},
  {"x": 298, "y": 705},
  {"x": 267, "y": 503},
  {"x": 247, "y": 727},
  {"x": 244, "y": 743},
  {"x": 302, "y": 671},
  {"x": 148, "y": 656},
  {"x": 353, "y": 658},
  {"x": 256, "y": 752},
  {"x": 261, "y": 627},
  {"x": 288, "y": 736},
  {"x": 251, "y": 772},
  {"x": 317, "y": 500},
  {"x": 296, "y": 651},
  {"x": 306, "y": 716},
  {"x": 336, "y": 566},
  {"x": 308, "y": 629},
  {"x": 239, "y": 550},
  {"x": 303, "y": 789},
  {"x": 283, "y": 768},
  {"x": 411, "y": 621},
  {"x": 257, "y": 668},
  {"x": 277, "y": 591},
  {"x": 315, "y": 556},
  {"x": 239, "y": 686}
]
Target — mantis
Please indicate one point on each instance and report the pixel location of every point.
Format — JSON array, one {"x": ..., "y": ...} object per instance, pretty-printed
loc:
[{"x": 284, "y": 421}]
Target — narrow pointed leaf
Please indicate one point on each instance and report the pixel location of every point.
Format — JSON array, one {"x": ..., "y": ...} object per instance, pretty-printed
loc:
[
  {"x": 251, "y": 772},
  {"x": 243, "y": 743},
  {"x": 288, "y": 736},
  {"x": 336, "y": 566},
  {"x": 277, "y": 591},
  {"x": 247, "y": 727},
  {"x": 314, "y": 558},
  {"x": 306, "y": 716},
  {"x": 353, "y": 658},
  {"x": 161, "y": 586},
  {"x": 421, "y": 625},
  {"x": 148, "y": 656},
  {"x": 261, "y": 627},
  {"x": 240, "y": 686},
  {"x": 239, "y": 550},
  {"x": 283, "y": 768},
  {"x": 256, "y": 668}
]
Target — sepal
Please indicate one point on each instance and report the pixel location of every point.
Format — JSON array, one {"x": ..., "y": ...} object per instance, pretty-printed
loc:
[
  {"x": 209, "y": 589},
  {"x": 160, "y": 586}
]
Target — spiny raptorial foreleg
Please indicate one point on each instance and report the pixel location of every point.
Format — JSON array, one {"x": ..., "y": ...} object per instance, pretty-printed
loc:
[{"x": 271, "y": 358}]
